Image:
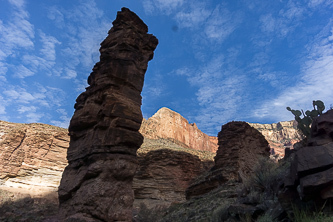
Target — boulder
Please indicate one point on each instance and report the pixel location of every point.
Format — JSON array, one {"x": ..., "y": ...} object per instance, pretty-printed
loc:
[
  {"x": 240, "y": 146},
  {"x": 104, "y": 130},
  {"x": 311, "y": 172}
]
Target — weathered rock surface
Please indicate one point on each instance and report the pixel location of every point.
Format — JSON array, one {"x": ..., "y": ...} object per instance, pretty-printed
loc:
[
  {"x": 280, "y": 135},
  {"x": 32, "y": 156},
  {"x": 168, "y": 124},
  {"x": 104, "y": 136},
  {"x": 240, "y": 145},
  {"x": 164, "y": 175},
  {"x": 312, "y": 166}
]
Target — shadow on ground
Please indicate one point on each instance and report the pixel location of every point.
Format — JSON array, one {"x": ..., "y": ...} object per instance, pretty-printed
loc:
[{"x": 19, "y": 207}]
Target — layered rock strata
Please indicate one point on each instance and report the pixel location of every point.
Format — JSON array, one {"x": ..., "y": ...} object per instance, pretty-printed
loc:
[
  {"x": 32, "y": 156},
  {"x": 104, "y": 136},
  {"x": 168, "y": 124},
  {"x": 240, "y": 146},
  {"x": 311, "y": 171},
  {"x": 280, "y": 136}
]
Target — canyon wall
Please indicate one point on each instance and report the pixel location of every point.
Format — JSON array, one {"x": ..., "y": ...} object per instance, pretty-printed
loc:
[
  {"x": 280, "y": 135},
  {"x": 104, "y": 130},
  {"x": 168, "y": 124},
  {"x": 32, "y": 156}
]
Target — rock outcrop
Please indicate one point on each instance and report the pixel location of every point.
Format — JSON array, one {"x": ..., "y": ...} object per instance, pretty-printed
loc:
[
  {"x": 104, "y": 130},
  {"x": 312, "y": 166},
  {"x": 164, "y": 175},
  {"x": 280, "y": 135},
  {"x": 168, "y": 124},
  {"x": 32, "y": 156},
  {"x": 240, "y": 145}
]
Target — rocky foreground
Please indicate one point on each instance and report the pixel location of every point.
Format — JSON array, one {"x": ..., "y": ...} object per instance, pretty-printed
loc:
[{"x": 170, "y": 172}]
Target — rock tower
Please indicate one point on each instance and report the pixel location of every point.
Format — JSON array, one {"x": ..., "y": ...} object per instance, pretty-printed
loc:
[
  {"x": 97, "y": 183},
  {"x": 240, "y": 147}
]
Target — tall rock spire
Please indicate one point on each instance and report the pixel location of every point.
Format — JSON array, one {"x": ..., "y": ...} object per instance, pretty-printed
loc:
[{"x": 97, "y": 183}]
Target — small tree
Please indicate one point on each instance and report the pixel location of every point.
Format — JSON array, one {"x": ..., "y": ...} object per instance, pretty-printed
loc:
[{"x": 304, "y": 124}]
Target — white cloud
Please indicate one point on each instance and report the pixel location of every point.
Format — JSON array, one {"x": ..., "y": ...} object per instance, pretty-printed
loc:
[
  {"x": 24, "y": 109},
  {"x": 165, "y": 6},
  {"x": 315, "y": 81},
  {"x": 57, "y": 16},
  {"x": 22, "y": 72},
  {"x": 49, "y": 43},
  {"x": 221, "y": 24},
  {"x": 316, "y": 3},
  {"x": 33, "y": 117},
  {"x": 220, "y": 90},
  {"x": 271, "y": 78},
  {"x": 69, "y": 74},
  {"x": 2, "y": 106},
  {"x": 64, "y": 119},
  {"x": 18, "y": 32},
  {"x": 193, "y": 17},
  {"x": 17, "y": 3},
  {"x": 284, "y": 21}
]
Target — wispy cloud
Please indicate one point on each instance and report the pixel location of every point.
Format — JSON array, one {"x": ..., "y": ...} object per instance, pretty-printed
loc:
[
  {"x": 166, "y": 6},
  {"x": 282, "y": 22},
  {"x": 193, "y": 16},
  {"x": 316, "y": 3},
  {"x": 221, "y": 23},
  {"x": 49, "y": 43},
  {"x": 63, "y": 120},
  {"x": 315, "y": 81},
  {"x": 22, "y": 72},
  {"x": 220, "y": 90},
  {"x": 17, "y": 32},
  {"x": 85, "y": 27}
]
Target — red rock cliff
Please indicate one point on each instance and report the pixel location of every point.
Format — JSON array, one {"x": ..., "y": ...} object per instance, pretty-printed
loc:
[{"x": 168, "y": 124}]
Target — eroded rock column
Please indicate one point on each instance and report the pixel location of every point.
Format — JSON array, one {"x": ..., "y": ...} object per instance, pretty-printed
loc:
[{"x": 104, "y": 137}]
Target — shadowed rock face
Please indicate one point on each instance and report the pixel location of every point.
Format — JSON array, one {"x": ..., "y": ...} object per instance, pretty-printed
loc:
[
  {"x": 312, "y": 166},
  {"x": 104, "y": 137},
  {"x": 164, "y": 175},
  {"x": 240, "y": 145}
]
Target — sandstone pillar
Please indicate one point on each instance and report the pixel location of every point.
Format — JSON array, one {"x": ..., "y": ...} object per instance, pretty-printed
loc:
[{"x": 97, "y": 183}]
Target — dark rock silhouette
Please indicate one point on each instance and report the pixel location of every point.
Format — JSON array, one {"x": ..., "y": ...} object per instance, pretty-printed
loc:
[
  {"x": 240, "y": 145},
  {"x": 104, "y": 136},
  {"x": 311, "y": 173}
]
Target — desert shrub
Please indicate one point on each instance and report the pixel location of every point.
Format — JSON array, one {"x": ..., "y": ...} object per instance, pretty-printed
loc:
[
  {"x": 265, "y": 180},
  {"x": 302, "y": 215}
]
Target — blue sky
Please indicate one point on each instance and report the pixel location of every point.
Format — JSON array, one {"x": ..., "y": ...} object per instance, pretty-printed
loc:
[{"x": 217, "y": 61}]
